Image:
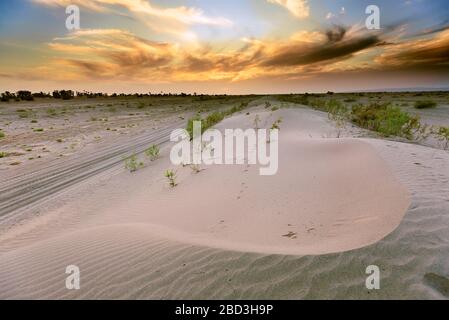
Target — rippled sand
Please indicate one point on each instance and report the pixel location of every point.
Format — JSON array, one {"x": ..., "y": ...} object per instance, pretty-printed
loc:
[{"x": 120, "y": 258}]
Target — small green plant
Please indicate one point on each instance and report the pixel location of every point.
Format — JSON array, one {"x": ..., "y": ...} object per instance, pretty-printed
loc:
[
  {"x": 425, "y": 104},
  {"x": 171, "y": 176},
  {"x": 2, "y": 135},
  {"x": 34, "y": 121},
  {"x": 267, "y": 105},
  {"x": 132, "y": 164},
  {"x": 277, "y": 124},
  {"x": 153, "y": 152},
  {"x": 442, "y": 134},
  {"x": 59, "y": 140},
  {"x": 51, "y": 112},
  {"x": 274, "y": 109},
  {"x": 26, "y": 113},
  {"x": 38, "y": 130},
  {"x": 3, "y": 155}
]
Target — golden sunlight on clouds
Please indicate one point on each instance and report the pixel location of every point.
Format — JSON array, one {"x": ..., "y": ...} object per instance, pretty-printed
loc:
[
  {"x": 170, "y": 20},
  {"x": 101, "y": 54},
  {"x": 430, "y": 52},
  {"x": 299, "y": 8},
  {"x": 117, "y": 55}
]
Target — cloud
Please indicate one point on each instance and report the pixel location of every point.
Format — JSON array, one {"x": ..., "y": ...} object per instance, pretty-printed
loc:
[
  {"x": 299, "y": 8},
  {"x": 118, "y": 55},
  {"x": 334, "y": 44},
  {"x": 427, "y": 52},
  {"x": 170, "y": 20}
]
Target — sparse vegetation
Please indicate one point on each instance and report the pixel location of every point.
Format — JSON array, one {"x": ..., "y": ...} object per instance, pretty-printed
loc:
[
  {"x": 425, "y": 104},
  {"x": 2, "y": 134},
  {"x": 171, "y": 176},
  {"x": 212, "y": 119},
  {"x": 51, "y": 112},
  {"x": 442, "y": 134},
  {"x": 153, "y": 152},
  {"x": 26, "y": 113},
  {"x": 385, "y": 119},
  {"x": 132, "y": 164},
  {"x": 277, "y": 124},
  {"x": 3, "y": 155},
  {"x": 38, "y": 130}
]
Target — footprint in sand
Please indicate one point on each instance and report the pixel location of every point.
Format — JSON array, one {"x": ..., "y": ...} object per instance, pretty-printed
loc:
[{"x": 291, "y": 235}]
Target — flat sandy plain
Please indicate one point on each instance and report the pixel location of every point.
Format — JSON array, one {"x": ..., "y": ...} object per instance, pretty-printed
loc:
[{"x": 343, "y": 199}]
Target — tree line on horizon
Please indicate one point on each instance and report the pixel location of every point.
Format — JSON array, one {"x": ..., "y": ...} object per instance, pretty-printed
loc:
[{"x": 25, "y": 95}]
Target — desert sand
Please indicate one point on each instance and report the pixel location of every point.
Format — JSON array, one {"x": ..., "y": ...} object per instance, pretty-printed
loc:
[{"x": 336, "y": 206}]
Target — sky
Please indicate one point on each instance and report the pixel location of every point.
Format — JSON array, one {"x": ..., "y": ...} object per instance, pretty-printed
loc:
[{"x": 215, "y": 46}]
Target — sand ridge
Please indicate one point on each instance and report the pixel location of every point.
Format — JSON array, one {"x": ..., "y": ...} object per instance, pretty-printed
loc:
[
  {"x": 135, "y": 236},
  {"x": 330, "y": 195}
]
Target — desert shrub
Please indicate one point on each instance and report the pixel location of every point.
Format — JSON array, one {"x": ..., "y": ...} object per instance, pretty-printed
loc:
[
  {"x": 171, "y": 176},
  {"x": 6, "y": 96},
  {"x": 26, "y": 113},
  {"x": 385, "y": 119},
  {"x": 235, "y": 109},
  {"x": 442, "y": 134},
  {"x": 38, "y": 130},
  {"x": 153, "y": 152},
  {"x": 25, "y": 95},
  {"x": 132, "y": 164},
  {"x": 3, "y": 155},
  {"x": 213, "y": 119},
  {"x": 63, "y": 94},
  {"x": 277, "y": 124},
  {"x": 338, "y": 113},
  {"x": 2, "y": 134},
  {"x": 298, "y": 99},
  {"x": 190, "y": 122},
  {"x": 425, "y": 104},
  {"x": 51, "y": 112}
]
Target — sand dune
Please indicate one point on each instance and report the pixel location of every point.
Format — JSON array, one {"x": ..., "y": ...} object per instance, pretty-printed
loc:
[{"x": 136, "y": 238}]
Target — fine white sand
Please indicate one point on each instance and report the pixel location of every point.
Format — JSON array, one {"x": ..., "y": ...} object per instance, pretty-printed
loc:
[{"x": 128, "y": 231}]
